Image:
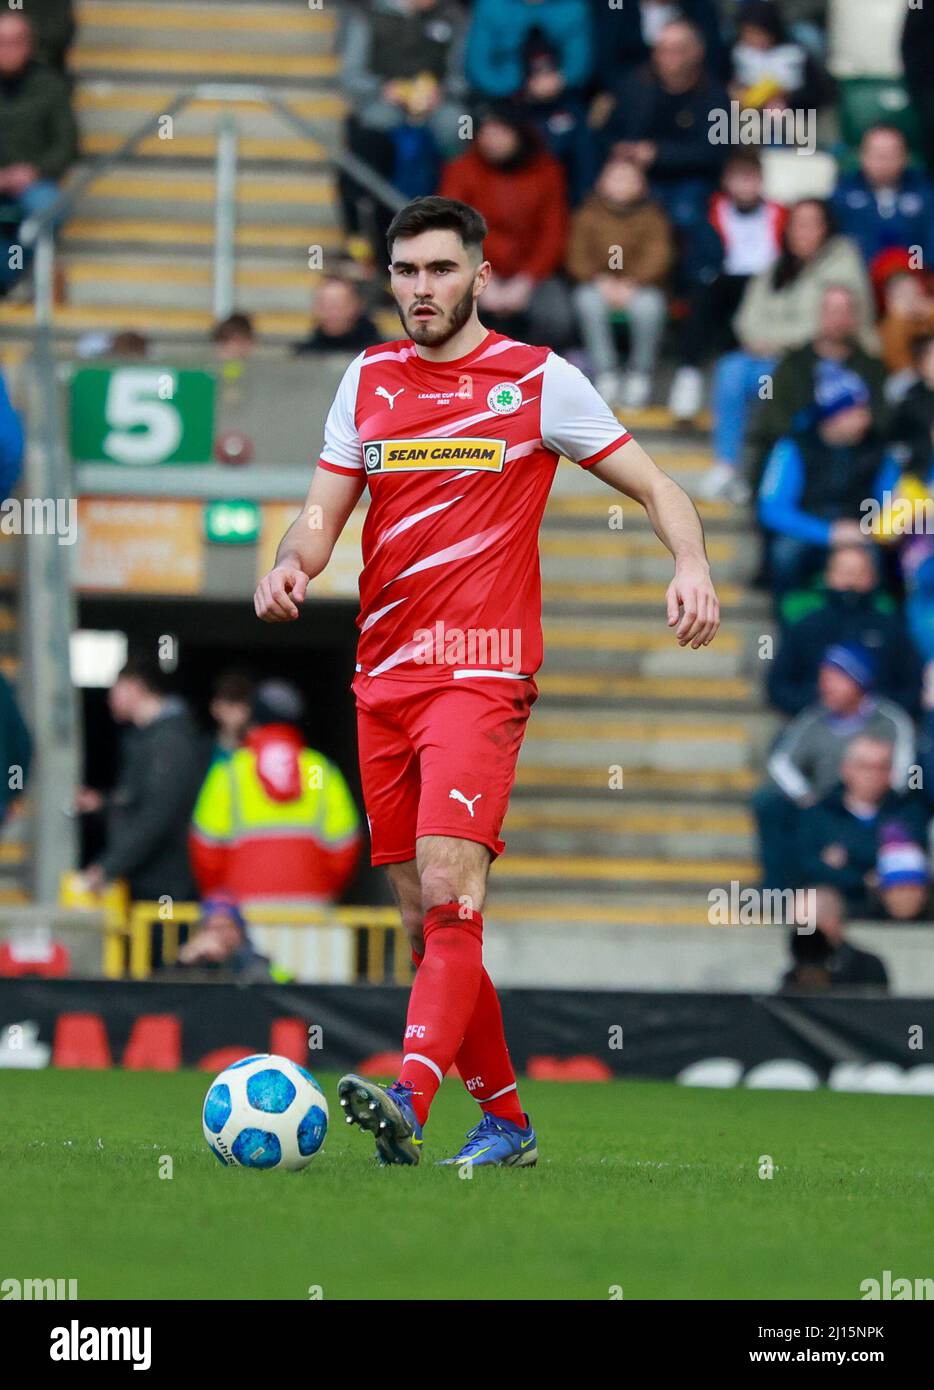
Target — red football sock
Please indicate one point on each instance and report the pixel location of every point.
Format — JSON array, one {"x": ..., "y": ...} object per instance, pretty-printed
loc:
[
  {"x": 483, "y": 1060},
  {"x": 444, "y": 994}
]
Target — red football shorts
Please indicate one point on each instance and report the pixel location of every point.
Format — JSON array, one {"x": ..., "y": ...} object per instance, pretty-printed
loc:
[{"x": 438, "y": 759}]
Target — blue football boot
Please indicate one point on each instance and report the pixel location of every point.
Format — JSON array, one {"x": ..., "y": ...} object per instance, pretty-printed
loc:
[
  {"x": 386, "y": 1111},
  {"x": 500, "y": 1143}
]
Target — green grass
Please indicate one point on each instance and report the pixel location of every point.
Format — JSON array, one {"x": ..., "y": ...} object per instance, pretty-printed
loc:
[{"x": 647, "y": 1186}]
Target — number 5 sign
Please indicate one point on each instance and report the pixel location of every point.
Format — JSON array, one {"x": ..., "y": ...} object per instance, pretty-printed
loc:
[{"x": 141, "y": 416}]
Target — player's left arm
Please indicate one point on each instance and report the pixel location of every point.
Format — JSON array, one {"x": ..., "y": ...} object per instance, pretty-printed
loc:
[{"x": 693, "y": 606}]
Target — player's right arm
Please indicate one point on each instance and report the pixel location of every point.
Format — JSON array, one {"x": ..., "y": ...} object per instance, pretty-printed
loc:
[
  {"x": 306, "y": 547},
  {"x": 335, "y": 490}
]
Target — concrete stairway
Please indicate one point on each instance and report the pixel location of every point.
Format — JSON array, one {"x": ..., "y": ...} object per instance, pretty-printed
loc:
[
  {"x": 138, "y": 250},
  {"x": 632, "y": 790}
]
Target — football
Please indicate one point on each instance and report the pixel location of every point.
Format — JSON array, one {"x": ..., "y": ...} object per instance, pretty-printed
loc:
[{"x": 265, "y": 1112}]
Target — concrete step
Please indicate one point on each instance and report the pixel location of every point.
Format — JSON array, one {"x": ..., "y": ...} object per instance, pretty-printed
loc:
[
  {"x": 640, "y": 647},
  {"x": 586, "y": 827},
  {"x": 187, "y": 66},
  {"x": 159, "y": 281},
  {"x": 662, "y": 742},
  {"x": 644, "y": 693},
  {"x": 569, "y": 907},
  {"x": 119, "y": 107},
  {"x": 195, "y": 238},
  {"x": 189, "y": 26},
  {"x": 279, "y": 147},
  {"x": 593, "y": 873},
  {"x": 642, "y": 597},
  {"x": 133, "y": 190},
  {"x": 71, "y": 321},
  {"x": 634, "y": 557}
]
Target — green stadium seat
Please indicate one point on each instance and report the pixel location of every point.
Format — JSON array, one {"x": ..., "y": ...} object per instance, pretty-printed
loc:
[{"x": 865, "y": 101}]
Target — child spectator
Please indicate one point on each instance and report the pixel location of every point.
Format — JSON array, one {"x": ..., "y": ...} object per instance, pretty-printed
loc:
[
  {"x": 750, "y": 227},
  {"x": 769, "y": 67},
  {"x": 619, "y": 222}
]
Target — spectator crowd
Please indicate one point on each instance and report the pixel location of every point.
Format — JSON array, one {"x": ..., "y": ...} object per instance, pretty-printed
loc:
[{"x": 792, "y": 296}]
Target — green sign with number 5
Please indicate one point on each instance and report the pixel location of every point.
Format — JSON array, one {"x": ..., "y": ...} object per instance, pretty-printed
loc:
[{"x": 140, "y": 416}]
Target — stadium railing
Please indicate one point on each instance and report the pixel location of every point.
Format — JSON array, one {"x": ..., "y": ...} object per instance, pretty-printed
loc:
[{"x": 342, "y": 944}]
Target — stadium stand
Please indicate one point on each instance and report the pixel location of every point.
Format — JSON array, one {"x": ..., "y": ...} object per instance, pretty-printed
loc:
[{"x": 691, "y": 731}]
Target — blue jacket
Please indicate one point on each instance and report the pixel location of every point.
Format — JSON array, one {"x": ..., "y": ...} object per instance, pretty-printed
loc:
[
  {"x": 782, "y": 490},
  {"x": 494, "y": 59},
  {"x": 11, "y": 445},
  {"x": 877, "y": 223}
]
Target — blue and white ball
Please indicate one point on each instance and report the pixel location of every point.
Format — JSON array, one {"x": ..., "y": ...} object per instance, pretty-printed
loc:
[{"x": 265, "y": 1112}]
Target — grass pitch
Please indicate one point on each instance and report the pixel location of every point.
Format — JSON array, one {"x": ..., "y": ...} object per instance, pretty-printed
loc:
[{"x": 645, "y": 1187}]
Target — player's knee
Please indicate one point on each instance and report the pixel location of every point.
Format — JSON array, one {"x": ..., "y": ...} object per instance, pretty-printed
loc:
[{"x": 442, "y": 886}]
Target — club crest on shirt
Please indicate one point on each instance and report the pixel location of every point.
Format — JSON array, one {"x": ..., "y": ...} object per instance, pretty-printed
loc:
[{"x": 504, "y": 398}]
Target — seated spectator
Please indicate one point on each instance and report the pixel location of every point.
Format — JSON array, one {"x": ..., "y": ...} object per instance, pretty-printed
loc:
[
  {"x": 38, "y": 134},
  {"x": 769, "y": 67},
  {"x": 11, "y": 444},
  {"x": 750, "y": 228},
  {"x": 538, "y": 55},
  {"x": 275, "y": 821},
  {"x": 823, "y": 959},
  {"x": 800, "y": 376},
  {"x": 221, "y": 942},
  {"x": 618, "y": 223},
  {"x": 908, "y": 317},
  {"x": 911, "y": 431},
  {"x": 780, "y": 311},
  {"x": 805, "y": 762},
  {"x": 234, "y": 338},
  {"x": 343, "y": 324},
  {"x": 884, "y": 204},
  {"x": 850, "y": 608},
  {"x": 163, "y": 758},
  {"x": 819, "y": 480},
  {"x": 520, "y": 190},
  {"x": 839, "y": 838},
  {"x": 402, "y": 74},
  {"x": 626, "y": 34},
  {"x": 903, "y": 883}
]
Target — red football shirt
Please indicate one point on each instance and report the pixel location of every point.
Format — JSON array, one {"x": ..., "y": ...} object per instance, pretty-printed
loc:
[{"x": 459, "y": 458}]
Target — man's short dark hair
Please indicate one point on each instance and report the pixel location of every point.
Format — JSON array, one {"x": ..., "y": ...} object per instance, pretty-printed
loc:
[
  {"x": 439, "y": 214},
  {"x": 146, "y": 672},
  {"x": 233, "y": 326}
]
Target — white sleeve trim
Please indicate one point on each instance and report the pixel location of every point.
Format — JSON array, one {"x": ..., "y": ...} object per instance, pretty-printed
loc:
[
  {"x": 341, "y": 440},
  {"x": 576, "y": 421}
]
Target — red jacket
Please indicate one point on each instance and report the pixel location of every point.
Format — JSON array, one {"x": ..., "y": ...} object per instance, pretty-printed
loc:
[{"x": 526, "y": 211}]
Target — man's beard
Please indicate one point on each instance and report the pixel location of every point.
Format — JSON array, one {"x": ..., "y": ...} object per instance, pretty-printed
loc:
[{"x": 437, "y": 330}]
